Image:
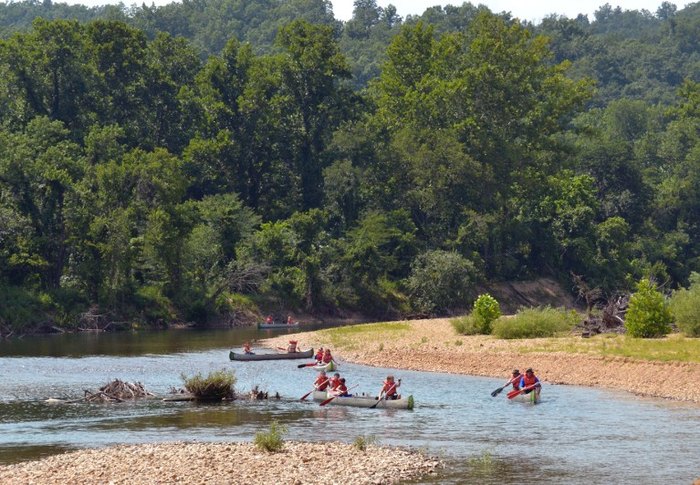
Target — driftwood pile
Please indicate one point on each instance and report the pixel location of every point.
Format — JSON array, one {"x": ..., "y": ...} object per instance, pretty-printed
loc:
[
  {"x": 118, "y": 391},
  {"x": 609, "y": 320}
]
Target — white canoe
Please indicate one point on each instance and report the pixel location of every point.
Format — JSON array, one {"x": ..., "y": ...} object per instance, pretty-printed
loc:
[{"x": 366, "y": 401}]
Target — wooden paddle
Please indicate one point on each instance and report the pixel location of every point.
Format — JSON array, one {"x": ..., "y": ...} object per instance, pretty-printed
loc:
[
  {"x": 498, "y": 391},
  {"x": 392, "y": 388},
  {"x": 323, "y": 403},
  {"x": 512, "y": 394},
  {"x": 315, "y": 388}
]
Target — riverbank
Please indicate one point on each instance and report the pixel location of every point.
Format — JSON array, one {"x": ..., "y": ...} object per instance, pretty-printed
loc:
[
  {"x": 214, "y": 463},
  {"x": 433, "y": 345}
]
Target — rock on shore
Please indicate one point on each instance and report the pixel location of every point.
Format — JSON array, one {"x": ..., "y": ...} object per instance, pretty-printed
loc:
[{"x": 224, "y": 463}]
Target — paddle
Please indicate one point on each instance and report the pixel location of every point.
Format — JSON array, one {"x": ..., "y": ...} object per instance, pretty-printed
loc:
[
  {"x": 391, "y": 389},
  {"x": 498, "y": 391},
  {"x": 512, "y": 394},
  {"x": 323, "y": 403},
  {"x": 307, "y": 365},
  {"x": 315, "y": 388}
]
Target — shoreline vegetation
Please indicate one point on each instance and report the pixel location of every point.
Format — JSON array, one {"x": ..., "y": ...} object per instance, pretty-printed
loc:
[{"x": 662, "y": 368}]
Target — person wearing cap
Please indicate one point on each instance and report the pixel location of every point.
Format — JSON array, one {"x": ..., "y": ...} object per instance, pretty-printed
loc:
[
  {"x": 529, "y": 382},
  {"x": 389, "y": 388},
  {"x": 514, "y": 380},
  {"x": 292, "y": 347}
]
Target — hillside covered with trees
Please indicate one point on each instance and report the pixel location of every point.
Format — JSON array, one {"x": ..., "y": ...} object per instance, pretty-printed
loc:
[{"x": 171, "y": 164}]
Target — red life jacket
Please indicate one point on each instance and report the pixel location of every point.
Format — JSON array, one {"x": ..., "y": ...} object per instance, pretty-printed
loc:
[
  {"x": 327, "y": 358},
  {"x": 319, "y": 356},
  {"x": 341, "y": 389},
  {"x": 529, "y": 381},
  {"x": 389, "y": 388},
  {"x": 321, "y": 383},
  {"x": 334, "y": 383}
]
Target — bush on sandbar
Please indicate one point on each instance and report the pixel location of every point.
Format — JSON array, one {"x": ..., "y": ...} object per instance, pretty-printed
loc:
[
  {"x": 271, "y": 440},
  {"x": 536, "y": 322},
  {"x": 216, "y": 386},
  {"x": 648, "y": 315}
]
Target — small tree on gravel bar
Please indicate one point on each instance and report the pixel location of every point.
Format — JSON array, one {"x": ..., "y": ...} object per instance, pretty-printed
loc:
[
  {"x": 486, "y": 310},
  {"x": 271, "y": 440},
  {"x": 685, "y": 307},
  {"x": 648, "y": 315}
]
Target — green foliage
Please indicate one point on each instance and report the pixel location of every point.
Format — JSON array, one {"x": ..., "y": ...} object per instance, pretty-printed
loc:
[
  {"x": 466, "y": 325},
  {"x": 685, "y": 307},
  {"x": 20, "y": 309},
  {"x": 648, "y": 315},
  {"x": 362, "y": 442},
  {"x": 536, "y": 323},
  {"x": 486, "y": 310},
  {"x": 440, "y": 281},
  {"x": 271, "y": 441},
  {"x": 214, "y": 387}
]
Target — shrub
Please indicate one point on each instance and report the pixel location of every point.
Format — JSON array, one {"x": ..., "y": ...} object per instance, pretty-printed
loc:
[
  {"x": 362, "y": 442},
  {"x": 466, "y": 325},
  {"x": 271, "y": 440},
  {"x": 648, "y": 315},
  {"x": 685, "y": 307},
  {"x": 216, "y": 386},
  {"x": 536, "y": 322},
  {"x": 486, "y": 310}
]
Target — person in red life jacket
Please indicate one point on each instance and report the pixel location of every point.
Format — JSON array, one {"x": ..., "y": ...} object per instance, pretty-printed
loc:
[
  {"x": 319, "y": 355},
  {"x": 289, "y": 320},
  {"x": 342, "y": 389},
  {"x": 268, "y": 320},
  {"x": 247, "y": 349},
  {"x": 327, "y": 357},
  {"x": 514, "y": 380},
  {"x": 292, "y": 347},
  {"x": 334, "y": 382},
  {"x": 530, "y": 380},
  {"x": 389, "y": 389},
  {"x": 321, "y": 383}
]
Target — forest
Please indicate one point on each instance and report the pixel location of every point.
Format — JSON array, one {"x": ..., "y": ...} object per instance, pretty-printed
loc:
[{"x": 212, "y": 160}]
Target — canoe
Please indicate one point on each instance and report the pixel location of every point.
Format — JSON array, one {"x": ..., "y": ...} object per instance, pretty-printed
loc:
[
  {"x": 262, "y": 325},
  {"x": 329, "y": 367},
  {"x": 530, "y": 398},
  {"x": 366, "y": 401},
  {"x": 306, "y": 354}
]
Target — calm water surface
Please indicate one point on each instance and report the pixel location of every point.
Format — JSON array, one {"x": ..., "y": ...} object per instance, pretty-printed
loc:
[{"x": 576, "y": 435}]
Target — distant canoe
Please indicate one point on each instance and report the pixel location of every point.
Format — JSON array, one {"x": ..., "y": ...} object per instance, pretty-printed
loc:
[
  {"x": 306, "y": 354},
  {"x": 329, "y": 367},
  {"x": 264, "y": 326},
  {"x": 366, "y": 401}
]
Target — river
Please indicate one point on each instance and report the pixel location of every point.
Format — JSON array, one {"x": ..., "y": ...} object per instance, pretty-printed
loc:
[{"x": 575, "y": 435}]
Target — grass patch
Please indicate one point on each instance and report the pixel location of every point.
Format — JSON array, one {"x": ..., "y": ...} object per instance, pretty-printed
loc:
[
  {"x": 216, "y": 386},
  {"x": 674, "y": 348},
  {"x": 362, "y": 442},
  {"x": 466, "y": 325},
  {"x": 458, "y": 342},
  {"x": 272, "y": 440},
  {"x": 536, "y": 323},
  {"x": 343, "y": 337}
]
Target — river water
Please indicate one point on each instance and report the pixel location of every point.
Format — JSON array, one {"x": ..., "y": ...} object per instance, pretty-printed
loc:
[{"x": 575, "y": 435}]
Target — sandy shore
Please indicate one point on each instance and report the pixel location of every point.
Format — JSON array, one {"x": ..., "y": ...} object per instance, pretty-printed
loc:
[
  {"x": 223, "y": 463},
  {"x": 433, "y": 345}
]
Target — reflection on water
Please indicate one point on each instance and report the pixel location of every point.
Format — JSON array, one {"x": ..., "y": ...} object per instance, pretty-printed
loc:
[{"x": 576, "y": 435}]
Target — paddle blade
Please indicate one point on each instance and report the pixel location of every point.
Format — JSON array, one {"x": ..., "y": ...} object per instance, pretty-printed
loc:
[
  {"x": 306, "y": 395},
  {"x": 323, "y": 403},
  {"x": 496, "y": 392},
  {"x": 512, "y": 394}
]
